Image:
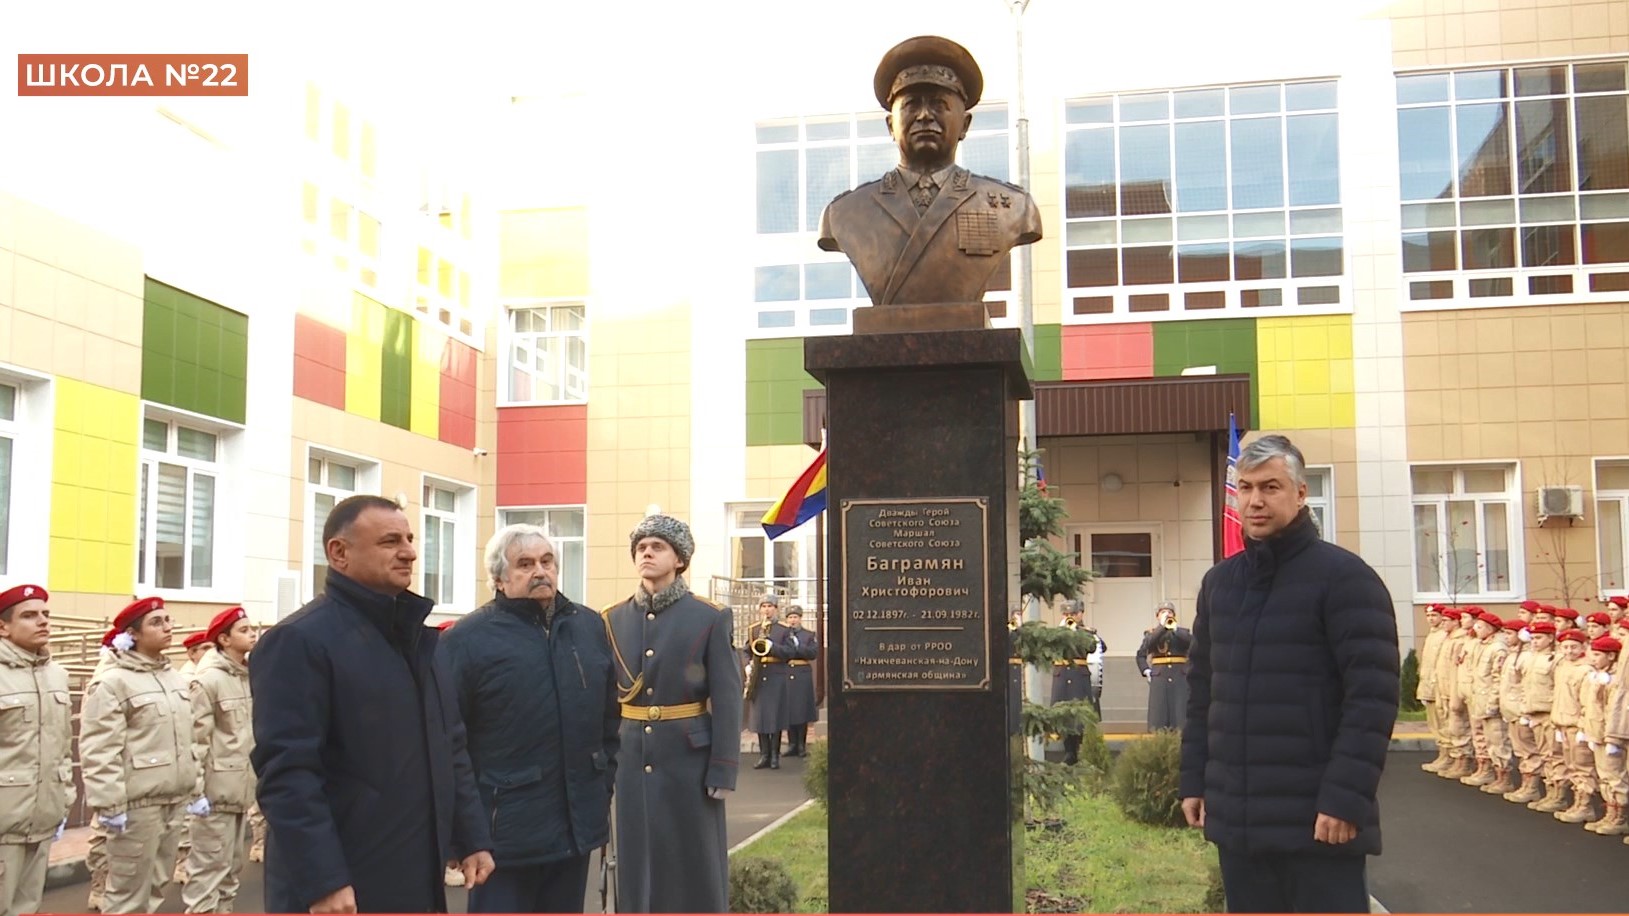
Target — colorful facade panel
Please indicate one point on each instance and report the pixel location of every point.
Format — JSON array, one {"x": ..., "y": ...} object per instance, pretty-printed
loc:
[
  {"x": 456, "y": 381},
  {"x": 195, "y": 354},
  {"x": 1108, "y": 351},
  {"x": 1229, "y": 344},
  {"x": 93, "y": 489},
  {"x": 775, "y": 385},
  {"x": 1304, "y": 376},
  {"x": 543, "y": 455},
  {"x": 319, "y": 362}
]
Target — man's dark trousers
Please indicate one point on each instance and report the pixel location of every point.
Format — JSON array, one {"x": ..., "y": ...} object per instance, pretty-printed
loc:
[
  {"x": 558, "y": 887},
  {"x": 1295, "y": 882}
]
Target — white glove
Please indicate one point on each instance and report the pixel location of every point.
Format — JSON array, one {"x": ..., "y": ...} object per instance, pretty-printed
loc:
[
  {"x": 1612, "y": 750},
  {"x": 61, "y": 829},
  {"x": 1583, "y": 738},
  {"x": 116, "y": 823},
  {"x": 1526, "y": 721},
  {"x": 1560, "y": 735},
  {"x": 199, "y": 808},
  {"x": 716, "y": 792},
  {"x": 1148, "y": 673}
]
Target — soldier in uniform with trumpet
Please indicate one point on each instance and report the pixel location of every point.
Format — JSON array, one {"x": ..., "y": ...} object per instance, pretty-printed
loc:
[
  {"x": 1163, "y": 660},
  {"x": 1072, "y": 679},
  {"x": 766, "y": 682}
]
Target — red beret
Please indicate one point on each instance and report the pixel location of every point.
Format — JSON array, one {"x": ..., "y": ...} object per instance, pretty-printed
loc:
[
  {"x": 1514, "y": 623},
  {"x": 1490, "y": 619},
  {"x": 1548, "y": 608},
  {"x": 445, "y": 624},
  {"x": 1473, "y": 609},
  {"x": 1452, "y": 613},
  {"x": 1619, "y": 600},
  {"x": 1600, "y": 617},
  {"x": 1543, "y": 626},
  {"x": 1572, "y": 636},
  {"x": 132, "y": 612},
  {"x": 223, "y": 621},
  {"x": 1530, "y": 605},
  {"x": 1606, "y": 644},
  {"x": 197, "y": 639},
  {"x": 1566, "y": 612},
  {"x": 12, "y": 597}
]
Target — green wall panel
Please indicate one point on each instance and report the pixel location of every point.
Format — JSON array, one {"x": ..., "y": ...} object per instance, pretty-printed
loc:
[
  {"x": 1229, "y": 344},
  {"x": 195, "y": 353},
  {"x": 775, "y": 385},
  {"x": 396, "y": 372},
  {"x": 1048, "y": 355}
]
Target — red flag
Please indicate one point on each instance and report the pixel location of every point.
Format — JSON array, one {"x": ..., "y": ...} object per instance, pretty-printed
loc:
[{"x": 1232, "y": 527}]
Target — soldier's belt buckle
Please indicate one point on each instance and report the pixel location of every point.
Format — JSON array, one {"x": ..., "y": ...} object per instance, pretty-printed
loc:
[{"x": 653, "y": 713}]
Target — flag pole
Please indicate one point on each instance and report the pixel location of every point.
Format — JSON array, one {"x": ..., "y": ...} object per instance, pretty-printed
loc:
[{"x": 820, "y": 601}]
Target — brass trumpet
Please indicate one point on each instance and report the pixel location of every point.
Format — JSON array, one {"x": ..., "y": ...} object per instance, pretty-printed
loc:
[
  {"x": 760, "y": 647},
  {"x": 755, "y": 669},
  {"x": 1071, "y": 623}
]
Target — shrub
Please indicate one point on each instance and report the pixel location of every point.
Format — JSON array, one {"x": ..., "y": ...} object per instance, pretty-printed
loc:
[
  {"x": 814, "y": 770},
  {"x": 761, "y": 886},
  {"x": 1411, "y": 682},
  {"x": 1146, "y": 779}
]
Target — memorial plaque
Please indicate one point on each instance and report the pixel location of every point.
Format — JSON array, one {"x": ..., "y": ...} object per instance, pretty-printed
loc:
[{"x": 916, "y": 602}]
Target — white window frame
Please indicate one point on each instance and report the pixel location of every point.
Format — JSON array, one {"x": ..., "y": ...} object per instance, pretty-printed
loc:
[
  {"x": 512, "y": 339},
  {"x": 462, "y": 517},
  {"x": 1515, "y": 525},
  {"x": 1621, "y": 497},
  {"x": 796, "y": 248},
  {"x": 1325, "y": 504},
  {"x": 1232, "y": 289},
  {"x": 363, "y": 271},
  {"x": 31, "y": 430},
  {"x": 367, "y": 481},
  {"x": 1461, "y": 278},
  {"x": 802, "y": 586},
  {"x": 226, "y": 539},
  {"x": 573, "y": 582}
]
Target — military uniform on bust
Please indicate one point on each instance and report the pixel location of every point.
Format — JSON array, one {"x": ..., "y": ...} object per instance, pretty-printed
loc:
[{"x": 36, "y": 738}]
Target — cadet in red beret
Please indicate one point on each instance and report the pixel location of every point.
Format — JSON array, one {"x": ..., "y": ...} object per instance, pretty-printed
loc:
[
  {"x": 1426, "y": 692},
  {"x": 1607, "y": 758},
  {"x": 37, "y": 740},
  {"x": 1578, "y": 770},
  {"x": 1532, "y": 737},
  {"x": 1596, "y": 624},
  {"x": 1488, "y": 739},
  {"x": 136, "y": 715},
  {"x": 1565, "y": 614},
  {"x": 1616, "y": 605},
  {"x": 1452, "y": 716},
  {"x": 1502, "y": 742},
  {"x": 197, "y": 646},
  {"x": 222, "y": 737}
]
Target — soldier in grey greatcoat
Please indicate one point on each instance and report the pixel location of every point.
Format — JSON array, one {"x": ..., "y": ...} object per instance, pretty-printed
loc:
[
  {"x": 802, "y": 649},
  {"x": 1163, "y": 660},
  {"x": 766, "y": 709},
  {"x": 679, "y": 683}
]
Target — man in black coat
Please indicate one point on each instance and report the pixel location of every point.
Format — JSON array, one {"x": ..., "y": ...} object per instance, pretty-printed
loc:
[
  {"x": 1293, "y": 695},
  {"x": 359, "y": 748},
  {"x": 538, "y": 696}
]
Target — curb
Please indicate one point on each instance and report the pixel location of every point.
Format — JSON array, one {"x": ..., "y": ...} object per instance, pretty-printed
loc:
[
  {"x": 774, "y": 825},
  {"x": 1375, "y": 906}
]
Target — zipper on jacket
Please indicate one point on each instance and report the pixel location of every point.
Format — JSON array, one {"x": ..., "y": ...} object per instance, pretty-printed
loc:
[
  {"x": 580, "y": 674},
  {"x": 496, "y": 791}
]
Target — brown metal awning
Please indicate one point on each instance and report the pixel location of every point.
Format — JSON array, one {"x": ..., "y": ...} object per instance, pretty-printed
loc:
[{"x": 1113, "y": 407}]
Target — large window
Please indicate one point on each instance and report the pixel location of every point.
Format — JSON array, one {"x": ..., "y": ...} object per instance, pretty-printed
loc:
[
  {"x": 1467, "y": 532},
  {"x": 329, "y": 478},
  {"x": 788, "y": 562},
  {"x": 565, "y": 525},
  {"x": 342, "y": 235},
  {"x": 1203, "y": 201},
  {"x": 180, "y": 487},
  {"x": 8, "y": 439},
  {"x": 805, "y": 162},
  {"x": 1515, "y": 182},
  {"x": 548, "y": 354},
  {"x": 1612, "y": 525},
  {"x": 446, "y": 542}
]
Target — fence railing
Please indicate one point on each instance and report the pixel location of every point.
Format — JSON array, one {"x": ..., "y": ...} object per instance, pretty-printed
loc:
[{"x": 741, "y": 596}]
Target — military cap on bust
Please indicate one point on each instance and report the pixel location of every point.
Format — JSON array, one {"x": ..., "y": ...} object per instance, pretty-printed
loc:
[
  {"x": 16, "y": 595},
  {"x": 931, "y": 60},
  {"x": 676, "y": 533}
]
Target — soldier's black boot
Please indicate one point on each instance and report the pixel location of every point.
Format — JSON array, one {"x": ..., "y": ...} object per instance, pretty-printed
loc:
[
  {"x": 764, "y": 751},
  {"x": 794, "y": 740},
  {"x": 1071, "y": 749},
  {"x": 803, "y": 740},
  {"x": 775, "y": 751}
]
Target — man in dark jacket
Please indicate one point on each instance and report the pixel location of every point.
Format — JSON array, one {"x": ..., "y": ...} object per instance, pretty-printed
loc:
[
  {"x": 1293, "y": 694},
  {"x": 359, "y": 747},
  {"x": 537, "y": 692},
  {"x": 679, "y": 683}
]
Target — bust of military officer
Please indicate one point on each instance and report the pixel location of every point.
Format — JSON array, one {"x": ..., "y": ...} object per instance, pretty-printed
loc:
[{"x": 928, "y": 231}]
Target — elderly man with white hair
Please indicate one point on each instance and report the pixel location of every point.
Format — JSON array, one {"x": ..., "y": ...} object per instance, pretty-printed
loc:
[{"x": 538, "y": 695}]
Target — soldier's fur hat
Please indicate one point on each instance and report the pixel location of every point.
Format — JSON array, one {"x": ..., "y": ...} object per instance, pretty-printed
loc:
[{"x": 676, "y": 533}]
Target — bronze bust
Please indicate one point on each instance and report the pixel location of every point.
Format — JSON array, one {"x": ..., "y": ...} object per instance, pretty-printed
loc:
[{"x": 928, "y": 231}]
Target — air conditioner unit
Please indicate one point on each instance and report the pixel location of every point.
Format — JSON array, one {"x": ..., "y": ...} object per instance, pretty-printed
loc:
[
  {"x": 1560, "y": 502},
  {"x": 288, "y": 593}
]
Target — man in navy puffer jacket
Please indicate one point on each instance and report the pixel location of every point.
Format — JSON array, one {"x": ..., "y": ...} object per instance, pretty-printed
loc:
[
  {"x": 536, "y": 690},
  {"x": 1293, "y": 694}
]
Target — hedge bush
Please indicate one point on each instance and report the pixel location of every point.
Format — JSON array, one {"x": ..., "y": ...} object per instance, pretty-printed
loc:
[
  {"x": 761, "y": 886},
  {"x": 814, "y": 770},
  {"x": 1411, "y": 682},
  {"x": 1146, "y": 778}
]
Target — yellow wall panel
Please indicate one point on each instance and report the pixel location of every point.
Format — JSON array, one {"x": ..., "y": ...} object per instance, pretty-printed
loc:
[
  {"x": 544, "y": 253},
  {"x": 93, "y": 502},
  {"x": 364, "y": 358},
  {"x": 424, "y": 409},
  {"x": 1304, "y": 372}
]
